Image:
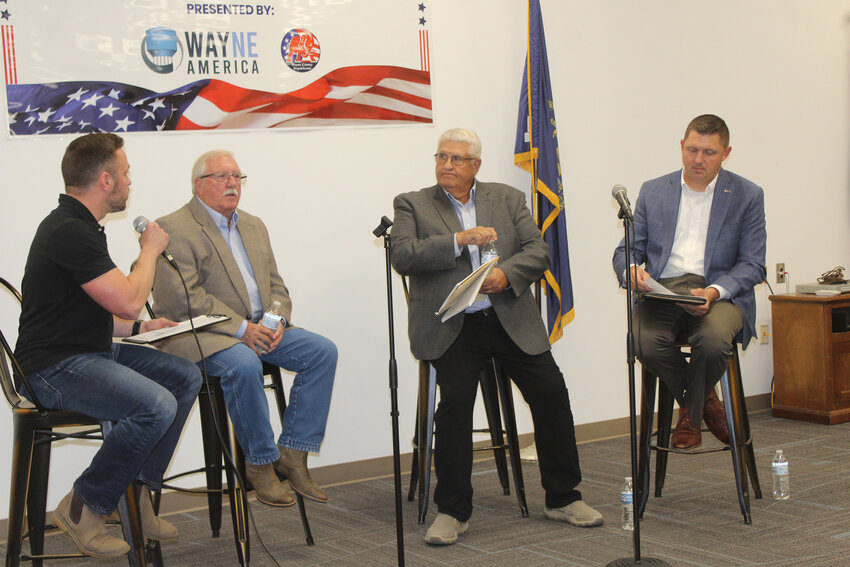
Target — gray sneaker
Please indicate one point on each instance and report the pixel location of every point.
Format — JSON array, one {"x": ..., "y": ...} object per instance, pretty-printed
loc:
[
  {"x": 576, "y": 514},
  {"x": 445, "y": 530}
]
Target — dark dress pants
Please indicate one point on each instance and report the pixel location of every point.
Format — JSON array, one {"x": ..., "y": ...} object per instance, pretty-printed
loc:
[
  {"x": 711, "y": 337},
  {"x": 541, "y": 384}
]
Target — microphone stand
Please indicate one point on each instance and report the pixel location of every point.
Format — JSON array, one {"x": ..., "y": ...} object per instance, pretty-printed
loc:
[
  {"x": 630, "y": 358},
  {"x": 380, "y": 231}
]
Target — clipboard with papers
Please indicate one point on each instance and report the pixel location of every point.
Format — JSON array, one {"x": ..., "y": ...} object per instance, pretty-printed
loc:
[
  {"x": 465, "y": 291},
  {"x": 199, "y": 322},
  {"x": 673, "y": 298},
  {"x": 661, "y": 293}
]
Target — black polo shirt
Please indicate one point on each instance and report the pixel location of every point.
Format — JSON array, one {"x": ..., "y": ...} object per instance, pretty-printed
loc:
[{"x": 58, "y": 318}]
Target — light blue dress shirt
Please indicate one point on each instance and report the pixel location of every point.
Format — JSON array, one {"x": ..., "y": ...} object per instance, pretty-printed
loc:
[
  {"x": 466, "y": 215},
  {"x": 230, "y": 233}
]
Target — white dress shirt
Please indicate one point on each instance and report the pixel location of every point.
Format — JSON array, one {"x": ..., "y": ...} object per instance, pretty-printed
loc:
[{"x": 688, "y": 253}]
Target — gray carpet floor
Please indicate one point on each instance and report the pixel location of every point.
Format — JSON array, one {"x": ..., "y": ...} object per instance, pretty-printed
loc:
[{"x": 697, "y": 522}]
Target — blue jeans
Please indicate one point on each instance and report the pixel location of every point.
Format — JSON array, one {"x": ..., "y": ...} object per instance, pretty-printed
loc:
[
  {"x": 313, "y": 358},
  {"x": 145, "y": 392}
]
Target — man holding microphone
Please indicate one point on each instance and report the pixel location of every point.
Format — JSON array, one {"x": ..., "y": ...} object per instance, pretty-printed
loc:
[{"x": 75, "y": 300}]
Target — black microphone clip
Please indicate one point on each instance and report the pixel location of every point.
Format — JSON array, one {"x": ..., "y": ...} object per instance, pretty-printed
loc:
[{"x": 381, "y": 229}]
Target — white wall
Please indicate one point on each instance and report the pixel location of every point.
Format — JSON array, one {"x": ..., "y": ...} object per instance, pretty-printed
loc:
[{"x": 627, "y": 78}]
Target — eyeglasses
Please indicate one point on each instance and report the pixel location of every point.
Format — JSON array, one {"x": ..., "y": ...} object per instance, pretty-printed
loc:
[
  {"x": 456, "y": 160},
  {"x": 223, "y": 177}
]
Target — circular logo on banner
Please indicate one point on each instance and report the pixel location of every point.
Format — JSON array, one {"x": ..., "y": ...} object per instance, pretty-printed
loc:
[
  {"x": 162, "y": 52},
  {"x": 300, "y": 50}
]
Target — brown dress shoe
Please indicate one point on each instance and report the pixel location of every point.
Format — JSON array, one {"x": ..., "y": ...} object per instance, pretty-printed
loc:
[
  {"x": 686, "y": 435},
  {"x": 267, "y": 486},
  {"x": 714, "y": 415},
  {"x": 293, "y": 465}
]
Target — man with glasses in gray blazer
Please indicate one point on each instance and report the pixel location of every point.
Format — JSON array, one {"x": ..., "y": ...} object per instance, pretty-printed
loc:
[{"x": 436, "y": 236}]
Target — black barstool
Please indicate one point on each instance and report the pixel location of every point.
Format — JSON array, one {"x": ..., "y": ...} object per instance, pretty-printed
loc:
[
  {"x": 495, "y": 391},
  {"x": 215, "y": 429},
  {"x": 34, "y": 431},
  {"x": 214, "y": 419},
  {"x": 740, "y": 437}
]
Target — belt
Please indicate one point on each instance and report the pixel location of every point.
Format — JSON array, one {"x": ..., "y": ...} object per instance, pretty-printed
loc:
[{"x": 482, "y": 313}]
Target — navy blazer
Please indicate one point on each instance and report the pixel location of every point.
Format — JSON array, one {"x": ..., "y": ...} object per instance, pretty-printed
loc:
[{"x": 734, "y": 246}]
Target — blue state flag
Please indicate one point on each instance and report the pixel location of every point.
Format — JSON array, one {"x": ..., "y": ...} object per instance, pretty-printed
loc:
[{"x": 536, "y": 151}]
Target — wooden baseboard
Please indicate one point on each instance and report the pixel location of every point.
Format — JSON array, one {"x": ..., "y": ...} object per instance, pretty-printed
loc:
[{"x": 382, "y": 467}]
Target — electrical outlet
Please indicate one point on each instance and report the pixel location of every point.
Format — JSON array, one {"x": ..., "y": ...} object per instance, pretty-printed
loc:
[
  {"x": 764, "y": 334},
  {"x": 780, "y": 272}
]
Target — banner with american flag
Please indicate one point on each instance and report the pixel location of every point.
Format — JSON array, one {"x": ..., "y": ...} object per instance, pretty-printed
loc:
[
  {"x": 536, "y": 151},
  {"x": 129, "y": 67}
]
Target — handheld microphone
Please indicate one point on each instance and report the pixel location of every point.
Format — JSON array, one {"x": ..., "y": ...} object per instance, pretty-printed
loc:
[
  {"x": 619, "y": 194},
  {"x": 140, "y": 224}
]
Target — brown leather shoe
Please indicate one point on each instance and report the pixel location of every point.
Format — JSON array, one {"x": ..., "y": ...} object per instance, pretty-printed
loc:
[
  {"x": 293, "y": 465},
  {"x": 267, "y": 486},
  {"x": 686, "y": 435},
  {"x": 714, "y": 415}
]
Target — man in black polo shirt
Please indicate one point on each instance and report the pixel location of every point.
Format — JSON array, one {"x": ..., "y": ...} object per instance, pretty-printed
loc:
[{"x": 74, "y": 301}]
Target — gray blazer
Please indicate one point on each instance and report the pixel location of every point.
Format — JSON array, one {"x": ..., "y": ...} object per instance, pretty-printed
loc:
[
  {"x": 734, "y": 245},
  {"x": 213, "y": 278},
  {"x": 422, "y": 247}
]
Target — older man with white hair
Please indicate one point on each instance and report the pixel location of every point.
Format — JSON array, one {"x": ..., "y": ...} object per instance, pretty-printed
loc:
[
  {"x": 437, "y": 232},
  {"x": 225, "y": 256}
]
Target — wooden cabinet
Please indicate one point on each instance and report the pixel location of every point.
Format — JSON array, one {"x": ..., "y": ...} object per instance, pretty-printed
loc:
[{"x": 811, "y": 357}]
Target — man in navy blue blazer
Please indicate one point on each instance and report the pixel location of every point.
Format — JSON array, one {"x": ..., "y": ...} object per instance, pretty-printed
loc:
[{"x": 698, "y": 231}]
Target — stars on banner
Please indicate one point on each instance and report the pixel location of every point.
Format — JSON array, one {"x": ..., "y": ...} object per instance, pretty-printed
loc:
[{"x": 94, "y": 107}]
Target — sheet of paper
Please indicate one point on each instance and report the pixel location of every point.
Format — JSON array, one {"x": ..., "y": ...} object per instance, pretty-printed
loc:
[
  {"x": 465, "y": 291},
  {"x": 657, "y": 287},
  {"x": 659, "y": 292}
]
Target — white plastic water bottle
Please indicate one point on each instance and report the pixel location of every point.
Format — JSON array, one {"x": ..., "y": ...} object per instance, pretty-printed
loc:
[
  {"x": 271, "y": 320},
  {"x": 627, "y": 501},
  {"x": 488, "y": 252},
  {"x": 781, "y": 486}
]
